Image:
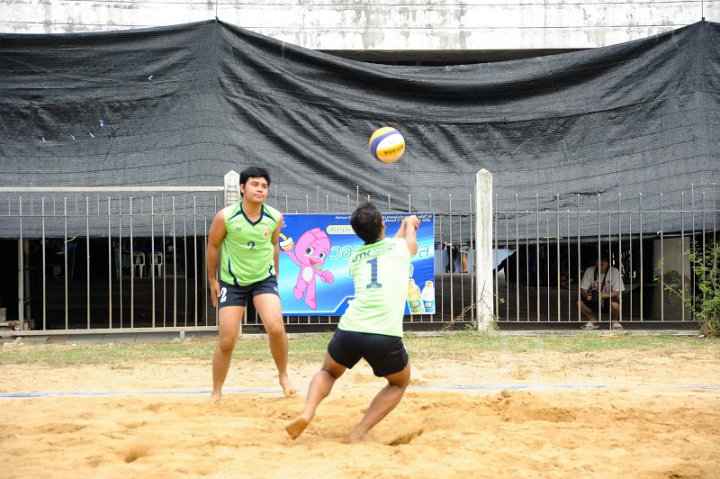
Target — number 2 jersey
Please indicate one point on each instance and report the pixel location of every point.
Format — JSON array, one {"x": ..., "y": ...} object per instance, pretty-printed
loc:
[
  {"x": 247, "y": 254},
  {"x": 380, "y": 272}
]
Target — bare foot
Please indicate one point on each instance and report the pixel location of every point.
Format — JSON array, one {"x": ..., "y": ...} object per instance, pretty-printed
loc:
[
  {"x": 354, "y": 438},
  {"x": 287, "y": 387},
  {"x": 295, "y": 428},
  {"x": 215, "y": 397}
]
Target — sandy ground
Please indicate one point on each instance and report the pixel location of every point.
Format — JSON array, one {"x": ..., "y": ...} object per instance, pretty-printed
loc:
[{"x": 509, "y": 415}]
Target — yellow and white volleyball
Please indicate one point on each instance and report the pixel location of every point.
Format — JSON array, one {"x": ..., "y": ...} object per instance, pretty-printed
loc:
[{"x": 387, "y": 144}]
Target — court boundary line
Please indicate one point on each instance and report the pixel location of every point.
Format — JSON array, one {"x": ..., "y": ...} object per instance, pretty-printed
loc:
[{"x": 516, "y": 387}]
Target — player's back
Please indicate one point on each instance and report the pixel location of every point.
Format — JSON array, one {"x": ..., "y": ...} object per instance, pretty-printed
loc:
[{"x": 380, "y": 273}]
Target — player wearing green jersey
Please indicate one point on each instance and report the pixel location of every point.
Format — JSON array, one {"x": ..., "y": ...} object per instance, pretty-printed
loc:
[
  {"x": 371, "y": 327},
  {"x": 243, "y": 243}
]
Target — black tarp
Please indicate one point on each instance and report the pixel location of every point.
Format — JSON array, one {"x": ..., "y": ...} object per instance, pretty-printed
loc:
[{"x": 183, "y": 105}]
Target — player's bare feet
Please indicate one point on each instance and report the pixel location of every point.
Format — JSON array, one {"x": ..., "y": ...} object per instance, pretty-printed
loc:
[
  {"x": 295, "y": 428},
  {"x": 354, "y": 438},
  {"x": 215, "y": 397},
  {"x": 287, "y": 386}
]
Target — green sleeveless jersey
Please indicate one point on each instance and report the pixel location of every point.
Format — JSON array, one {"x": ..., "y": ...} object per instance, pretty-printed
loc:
[
  {"x": 246, "y": 252},
  {"x": 380, "y": 272}
]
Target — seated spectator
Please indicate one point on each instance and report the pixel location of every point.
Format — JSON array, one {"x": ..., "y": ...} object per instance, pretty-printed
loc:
[{"x": 601, "y": 287}]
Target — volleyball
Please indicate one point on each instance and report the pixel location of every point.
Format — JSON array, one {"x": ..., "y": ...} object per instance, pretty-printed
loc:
[{"x": 387, "y": 144}]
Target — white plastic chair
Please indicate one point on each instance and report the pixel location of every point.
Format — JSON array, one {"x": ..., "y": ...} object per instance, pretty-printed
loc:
[
  {"x": 139, "y": 261},
  {"x": 158, "y": 261}
]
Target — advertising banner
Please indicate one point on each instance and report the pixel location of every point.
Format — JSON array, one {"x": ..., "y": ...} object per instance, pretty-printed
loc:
[{"x": 314, "y": 254}]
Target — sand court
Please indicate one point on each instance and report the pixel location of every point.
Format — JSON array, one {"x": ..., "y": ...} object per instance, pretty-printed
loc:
[{"x": 537, "y": 414}]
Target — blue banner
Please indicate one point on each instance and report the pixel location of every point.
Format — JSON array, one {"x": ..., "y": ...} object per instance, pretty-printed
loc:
[{"x": 314, "y": 253}]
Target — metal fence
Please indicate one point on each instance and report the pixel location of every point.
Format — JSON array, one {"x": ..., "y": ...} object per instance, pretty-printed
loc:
[
  {"x": 109, "y": 258},
  {"x": 542, "y": 254},
  {"x": 133, "y": 259}
]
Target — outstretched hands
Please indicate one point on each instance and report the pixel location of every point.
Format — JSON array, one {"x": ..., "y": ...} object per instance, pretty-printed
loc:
[
  {"x": 412, "y": 221},
  {"x": 408, "y": 230}
]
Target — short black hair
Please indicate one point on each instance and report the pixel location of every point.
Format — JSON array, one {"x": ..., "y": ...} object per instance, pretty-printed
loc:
[
  {"x": 254, "y": 172},
  {"x": 366, "y": 222},
  {"x": 603, "y": 254}
]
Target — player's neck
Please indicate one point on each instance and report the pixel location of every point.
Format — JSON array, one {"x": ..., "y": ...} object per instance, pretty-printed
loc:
[
  {"x": 251, "y": 208},
  {"x": 380, "y": 238}
]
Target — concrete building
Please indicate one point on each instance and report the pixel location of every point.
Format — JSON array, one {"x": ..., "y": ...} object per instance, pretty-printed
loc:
[{"x": 402, "y": 30}]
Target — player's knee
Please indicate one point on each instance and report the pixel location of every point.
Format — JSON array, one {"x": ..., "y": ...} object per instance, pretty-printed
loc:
[
  {"x": 226, "y": 344},
  {"x": 402, "y": 383},
  {"x": 275, "y": 329},
  {"x": 401, "y": 380},
  {"x": 330, "y": 372}
]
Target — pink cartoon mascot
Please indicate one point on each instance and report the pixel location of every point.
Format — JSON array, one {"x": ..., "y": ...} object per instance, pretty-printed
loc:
[{"x": 309, "y": 254}]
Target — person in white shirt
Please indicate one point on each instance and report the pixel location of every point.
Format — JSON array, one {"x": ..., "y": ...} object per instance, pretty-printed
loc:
[{"x": 601, "y": 287}]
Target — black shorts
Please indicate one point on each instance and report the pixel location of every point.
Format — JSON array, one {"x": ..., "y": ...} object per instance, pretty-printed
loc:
[
  {"x": 231, "y": 295},
  {"x": 385, "y": 354},
  {"x": 595, "y": 305}
]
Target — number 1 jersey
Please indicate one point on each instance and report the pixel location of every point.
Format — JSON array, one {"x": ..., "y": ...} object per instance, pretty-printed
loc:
[{"x": 380, "y": 272}]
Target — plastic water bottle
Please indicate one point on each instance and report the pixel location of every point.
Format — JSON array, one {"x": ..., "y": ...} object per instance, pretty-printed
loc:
[
  {"x": 414, "y": 300},
  {"x": 428, "y": 297}
]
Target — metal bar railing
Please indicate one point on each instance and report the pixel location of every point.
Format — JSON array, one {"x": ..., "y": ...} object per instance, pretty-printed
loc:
[
  {"x": 545, "y": 260},
  {"x": 56, "y": 289}
]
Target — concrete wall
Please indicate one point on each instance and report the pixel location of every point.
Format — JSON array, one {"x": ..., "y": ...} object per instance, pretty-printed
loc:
[{"x": 464, "y": 25}]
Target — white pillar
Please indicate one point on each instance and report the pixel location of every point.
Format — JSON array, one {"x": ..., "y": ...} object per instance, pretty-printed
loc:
[
  {"x": 232, "y": 187},
  {"x": 483, "y": 250},
  {"x": 21, "y": 277}
]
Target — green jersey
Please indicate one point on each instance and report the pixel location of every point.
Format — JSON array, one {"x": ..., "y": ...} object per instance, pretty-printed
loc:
[
  {"x": 380, "y": 272},
  {"x": 247, "y": 252}
]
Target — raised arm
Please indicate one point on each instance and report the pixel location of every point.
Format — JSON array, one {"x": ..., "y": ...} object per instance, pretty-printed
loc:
[{"x": 408, "y": 231}]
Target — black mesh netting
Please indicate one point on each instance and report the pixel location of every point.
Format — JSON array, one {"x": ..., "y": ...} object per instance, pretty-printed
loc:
[{"x": 183, "y": 105}]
